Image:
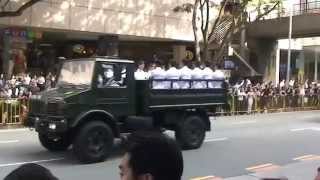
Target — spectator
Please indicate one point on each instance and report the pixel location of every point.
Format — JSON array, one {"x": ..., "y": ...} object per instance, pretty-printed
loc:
[
  {"x": 41, "y": 82},
  {"x": 30, "y": 172},
  {"x": 151, "y": 156}
]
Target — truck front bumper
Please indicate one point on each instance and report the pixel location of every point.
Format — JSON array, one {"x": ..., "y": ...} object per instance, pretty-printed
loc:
[{"x": 48, "y": 124}]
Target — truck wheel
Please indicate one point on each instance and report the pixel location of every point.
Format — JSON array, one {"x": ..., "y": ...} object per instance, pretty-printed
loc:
[
  {"x": 93, "y": 142},
  {"x": 190, "y": 133},
  {"x": 54, "y": 145}
]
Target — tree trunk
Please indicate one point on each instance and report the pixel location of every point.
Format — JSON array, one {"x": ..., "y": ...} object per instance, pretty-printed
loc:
[{"x": 195, "y": 30}]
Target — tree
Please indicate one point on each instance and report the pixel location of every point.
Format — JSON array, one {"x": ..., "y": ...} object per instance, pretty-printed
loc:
[
  {"x": 5, "y": 4},
  {"x": 218, "y": 23}
]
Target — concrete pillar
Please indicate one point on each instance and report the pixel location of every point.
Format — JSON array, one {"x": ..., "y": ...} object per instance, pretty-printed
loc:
[
  {"x": 179, "y": 52},
  {"x": 267, "y": 52},
  {"x": 108, "y": 46}
]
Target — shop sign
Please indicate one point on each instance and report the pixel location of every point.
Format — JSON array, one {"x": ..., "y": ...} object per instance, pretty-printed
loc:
[{"x": 23, "y": 33}]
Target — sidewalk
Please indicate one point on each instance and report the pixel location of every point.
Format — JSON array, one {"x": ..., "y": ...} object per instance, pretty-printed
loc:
[{"x": 305, "y": 170}]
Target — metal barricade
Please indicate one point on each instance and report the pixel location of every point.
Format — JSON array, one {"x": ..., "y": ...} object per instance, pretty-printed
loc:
[{"x": 12, "y": 111}]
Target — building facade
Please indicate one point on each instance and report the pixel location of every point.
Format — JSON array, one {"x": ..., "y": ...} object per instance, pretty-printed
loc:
[{"x": 134, "y": 29}]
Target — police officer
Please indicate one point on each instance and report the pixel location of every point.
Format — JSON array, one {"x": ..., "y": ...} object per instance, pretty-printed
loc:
[{"x": 208, "y": 75}]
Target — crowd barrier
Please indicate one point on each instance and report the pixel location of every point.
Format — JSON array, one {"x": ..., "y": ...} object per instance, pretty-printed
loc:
[
  {"x": 262, "y": 104},
  {"x": 13, "y": 110}
]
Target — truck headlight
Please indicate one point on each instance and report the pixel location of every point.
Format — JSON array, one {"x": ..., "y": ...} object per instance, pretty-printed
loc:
[{"x": 52, "y": 126}]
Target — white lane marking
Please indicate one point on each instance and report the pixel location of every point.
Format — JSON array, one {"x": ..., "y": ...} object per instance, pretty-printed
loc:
[
  {"x": 244, "y": 122},
  {"x": 303, "y": 157},
  {"x": 258, "y": 167},
  {"x": 305, "y": 129},
  {"x": 9, "y": 141},
  {"x": 21, "y": 163},
  {"x": 216, "y": 139},
  {"x": 13, "y": 130}
]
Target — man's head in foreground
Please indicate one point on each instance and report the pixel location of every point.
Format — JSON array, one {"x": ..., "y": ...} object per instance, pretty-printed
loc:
[{"x": 151, "y": 156}]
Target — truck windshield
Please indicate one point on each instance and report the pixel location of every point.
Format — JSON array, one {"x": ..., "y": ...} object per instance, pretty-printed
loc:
[{"x": 76, "y": 73}]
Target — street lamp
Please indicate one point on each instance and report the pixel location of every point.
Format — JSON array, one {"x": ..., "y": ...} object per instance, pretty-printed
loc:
[{"x": 289, "y": 38}]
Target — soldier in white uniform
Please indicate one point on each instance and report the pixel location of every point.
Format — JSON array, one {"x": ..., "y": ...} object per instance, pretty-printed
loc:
[
  {"x": 197, "y": 74},
  {"x": 208, "y": 75},
  {"x": 185, "y": 73},
  {"x": 173, "y": 74},
  {"x": 158, "y": 73},
  {"x": 140, "y": 74},
  {"x": 217, "y": 75}
]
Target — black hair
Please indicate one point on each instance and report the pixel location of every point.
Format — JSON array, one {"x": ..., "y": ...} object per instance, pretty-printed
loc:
[
  {"x": 140, "y": 62},
  {"x": 158, "y": 63},
  {"x": 156, "y": 154},
  {"x": 173, "y": 64},
  {"x": 31, "y": 171},
  {"x": 207, "y": 63}
]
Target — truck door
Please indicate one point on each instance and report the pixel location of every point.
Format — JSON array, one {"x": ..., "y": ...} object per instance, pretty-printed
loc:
[{"x": 112, "y": 88}]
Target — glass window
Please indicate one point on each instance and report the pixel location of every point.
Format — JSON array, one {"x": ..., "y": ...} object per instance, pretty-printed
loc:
[
  {"x": 76, "y": 73},
  {"x": 112, "y": 75}
]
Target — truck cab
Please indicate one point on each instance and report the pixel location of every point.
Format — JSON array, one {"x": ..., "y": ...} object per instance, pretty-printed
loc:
[{"x": 98, "y": 99}]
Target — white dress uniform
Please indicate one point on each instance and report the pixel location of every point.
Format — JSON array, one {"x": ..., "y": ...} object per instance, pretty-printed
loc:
[
  {"x": 197, "y": 73},
  {"x": 173, "y": 74},
  {"x": 217, "y": 75},
  {"x": 208, "y": 75},
  {"x": 158, "y": 73},
  {"x": 141, "y": 75},
  {"x": 185, "y": 73}
]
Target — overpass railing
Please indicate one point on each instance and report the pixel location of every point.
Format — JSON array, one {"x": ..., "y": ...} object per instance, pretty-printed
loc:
[{"x": 310, "y": 7}]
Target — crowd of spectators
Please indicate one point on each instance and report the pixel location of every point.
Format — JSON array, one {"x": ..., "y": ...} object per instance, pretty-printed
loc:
[
  {"x": 24, "y": 85},
  {"x": 293, "y": 93}
]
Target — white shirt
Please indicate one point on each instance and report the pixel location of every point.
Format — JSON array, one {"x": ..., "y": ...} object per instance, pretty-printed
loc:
[
  {"x": 158, "y": 73},
  {"x": 27, "y": 80},
  {"x": 41, "y": 80},
  {"x": 173, "y": 73},
  {"x": 197, "y": 73},
  {"x": 140, "y": 75},
  {"x": 281, "y": 84},
  {"x": 207, "y": 74},
  {"x": 185, "y": 73},
  {"x": 218, "y": 74}
]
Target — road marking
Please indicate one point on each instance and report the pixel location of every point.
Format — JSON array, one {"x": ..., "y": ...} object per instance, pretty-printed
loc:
[
  {"x": 10, "y": 141},
  {"x": 207, "y": 178},
  {"x": 39, "y": 161},
  {"x": 307, "y": 158},
  {"x": 244, "y": 122},
  {"x": 216, "y": 139},
  {"x": 305, "y": 129},
  {"x": 13, "y": 130},
  {"x": 263, "y": 168}
]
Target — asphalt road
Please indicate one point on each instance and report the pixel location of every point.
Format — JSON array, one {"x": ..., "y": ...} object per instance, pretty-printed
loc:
[{"x": 236, "y": 146}]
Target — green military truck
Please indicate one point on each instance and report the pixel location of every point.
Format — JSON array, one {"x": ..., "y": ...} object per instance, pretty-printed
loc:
[{"x": 97, "y": 100}]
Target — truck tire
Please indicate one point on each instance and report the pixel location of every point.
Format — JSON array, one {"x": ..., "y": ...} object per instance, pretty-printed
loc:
[
  {"x": 93, "y": 142},
  {"x": 190, "y": 132},
  {"x": 54, "y": 145}
]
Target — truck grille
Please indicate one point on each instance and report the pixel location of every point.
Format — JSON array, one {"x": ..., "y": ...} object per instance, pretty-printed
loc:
[
  {"x": 52, "y": 108},
  {"x": 37, "y": 106}
]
